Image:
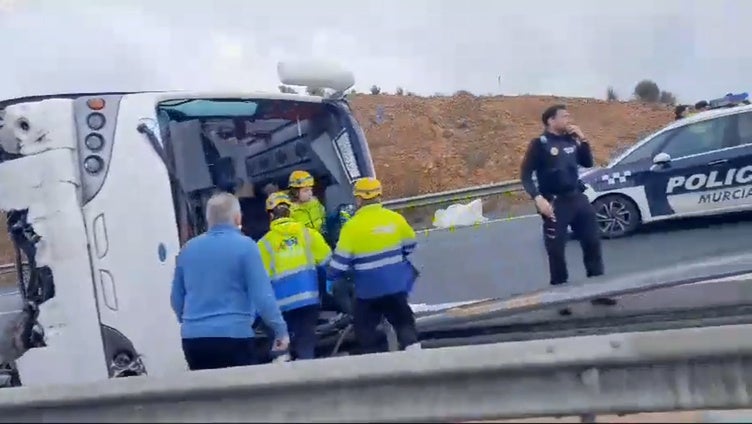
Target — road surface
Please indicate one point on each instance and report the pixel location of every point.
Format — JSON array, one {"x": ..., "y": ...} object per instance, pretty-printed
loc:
[{"x": 503, "y": 258}]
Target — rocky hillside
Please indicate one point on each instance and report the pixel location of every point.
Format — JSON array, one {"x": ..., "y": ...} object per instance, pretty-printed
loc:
[{"x": 423, "y": 145}]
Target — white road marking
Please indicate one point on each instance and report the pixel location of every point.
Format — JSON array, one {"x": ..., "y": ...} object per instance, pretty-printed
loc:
[
  {"x": 743, "y": 277},
  {"x": 425, "y": 307}
]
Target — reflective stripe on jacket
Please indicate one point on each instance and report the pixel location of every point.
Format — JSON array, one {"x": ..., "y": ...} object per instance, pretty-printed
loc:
[
  {"x": 291, "y": 253},
  {"x": 373, "y": 245}
]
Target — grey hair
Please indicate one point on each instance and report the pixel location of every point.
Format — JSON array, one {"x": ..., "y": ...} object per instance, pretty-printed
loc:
[{"x": 222, "y": 208}]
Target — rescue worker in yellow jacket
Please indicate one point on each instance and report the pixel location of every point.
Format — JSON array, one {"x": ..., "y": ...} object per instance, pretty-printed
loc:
[
  {"x": 307, "y": 209},
  {"x": 372, "y": 249},
  {"x": 292, "y": 255}
]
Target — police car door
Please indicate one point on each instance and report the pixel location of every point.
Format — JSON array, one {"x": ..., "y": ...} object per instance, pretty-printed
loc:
[{"x": 704, "y": 164}]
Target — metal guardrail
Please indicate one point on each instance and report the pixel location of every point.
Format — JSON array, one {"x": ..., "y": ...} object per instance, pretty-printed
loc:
[
  {"x": 737, "y": 267},
  {"x": 687, "y": 369},
  {"x": 454, "y": 195}
]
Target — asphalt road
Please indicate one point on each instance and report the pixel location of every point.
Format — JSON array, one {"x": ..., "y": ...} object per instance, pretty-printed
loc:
[
  {"x": 503, "y": 258},
  {"x": 8, "y": 302},
  {"x": 499, "y": 259}
]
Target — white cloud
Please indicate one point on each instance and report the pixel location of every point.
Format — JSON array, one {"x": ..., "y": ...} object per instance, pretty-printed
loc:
[{"x": 579, "y": 47}]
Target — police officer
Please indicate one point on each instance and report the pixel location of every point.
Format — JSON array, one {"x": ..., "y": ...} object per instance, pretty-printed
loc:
[
  {"x": 373, "y": 246},
  {"x": 291, "y": 254},
  {"x": 559, "y": 199}
]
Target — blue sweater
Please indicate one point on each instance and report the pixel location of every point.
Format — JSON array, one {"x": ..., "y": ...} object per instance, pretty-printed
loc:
[{"x": 220, "y": 285}]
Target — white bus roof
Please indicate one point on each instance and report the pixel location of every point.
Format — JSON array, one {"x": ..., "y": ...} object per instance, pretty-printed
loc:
[{"x": 172, "y": 94}]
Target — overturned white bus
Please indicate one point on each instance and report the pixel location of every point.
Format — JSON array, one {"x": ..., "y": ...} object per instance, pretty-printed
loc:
[{"x": 102, "y": 189}]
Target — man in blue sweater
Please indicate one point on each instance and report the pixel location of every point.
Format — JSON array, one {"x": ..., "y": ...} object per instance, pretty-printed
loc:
[{"x": 220, "y": 284}]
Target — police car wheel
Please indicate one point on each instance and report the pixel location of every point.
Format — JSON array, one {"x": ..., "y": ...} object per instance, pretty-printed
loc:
[{"x": 617, "y": 216}]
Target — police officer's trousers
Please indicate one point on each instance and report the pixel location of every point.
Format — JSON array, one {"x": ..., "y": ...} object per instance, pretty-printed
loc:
[
  {"x": 572, "y": 210},
  {"x": 369, "y": 313},
  {"x": 301, "y": 324}
]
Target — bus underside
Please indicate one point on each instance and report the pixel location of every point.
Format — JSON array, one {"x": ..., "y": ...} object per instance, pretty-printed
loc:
[{"x": 250, "y": 147}]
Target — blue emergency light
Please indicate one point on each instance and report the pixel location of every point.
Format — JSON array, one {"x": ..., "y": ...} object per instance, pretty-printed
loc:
[{"x": 729, "y": 100}]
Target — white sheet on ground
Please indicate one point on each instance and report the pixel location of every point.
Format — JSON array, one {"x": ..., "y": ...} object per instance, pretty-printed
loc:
[{"x": 460, "y": 214}]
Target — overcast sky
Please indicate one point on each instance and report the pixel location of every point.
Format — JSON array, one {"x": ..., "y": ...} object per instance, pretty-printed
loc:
[{"x": 695, "y": 48}]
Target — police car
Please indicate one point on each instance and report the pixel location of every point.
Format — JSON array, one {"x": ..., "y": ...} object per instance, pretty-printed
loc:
[{"x": 696, "y": 166}]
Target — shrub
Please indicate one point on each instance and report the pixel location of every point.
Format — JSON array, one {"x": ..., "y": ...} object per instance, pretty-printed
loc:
[
  {"x": 667, "y": 98},
  {"x": 647, "y": 91},
  {"x": 611, "y": 95}
]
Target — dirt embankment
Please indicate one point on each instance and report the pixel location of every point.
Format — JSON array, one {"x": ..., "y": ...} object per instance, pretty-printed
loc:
[{"x": 424, "y": 145}]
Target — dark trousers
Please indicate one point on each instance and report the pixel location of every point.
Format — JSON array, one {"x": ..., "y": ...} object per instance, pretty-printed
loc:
[
  {"x": 301, "y": 324},
  {"x": 205, "y": 353},
  {"x": 341, "y": 299},
  {"x": 369, "y": 313},
  {"x": 343, "y": 295},
  {"x": 572, "y": 210}
]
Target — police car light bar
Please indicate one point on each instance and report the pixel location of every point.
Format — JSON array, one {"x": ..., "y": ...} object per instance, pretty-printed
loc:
[{"x": 730, "y": 100}]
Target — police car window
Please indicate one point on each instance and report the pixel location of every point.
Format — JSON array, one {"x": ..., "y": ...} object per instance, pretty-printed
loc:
[
  {"x": 701, "y": 137},
  {"x": 647, "y": 150},
  {"x": 745, "y": 127}
]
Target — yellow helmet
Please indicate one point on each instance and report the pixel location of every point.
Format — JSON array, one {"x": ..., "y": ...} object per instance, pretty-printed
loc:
[
  {"x": 300, "y": 179},
  {"x": 367, "y": 188},
  {"x": 276, "y": 199}
]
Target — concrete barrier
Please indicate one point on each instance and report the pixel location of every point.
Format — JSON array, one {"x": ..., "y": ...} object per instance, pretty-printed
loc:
[{"x": 698, "y": 368}]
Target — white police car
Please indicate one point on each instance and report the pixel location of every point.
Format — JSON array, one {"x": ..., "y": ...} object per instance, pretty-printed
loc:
[{"x": 699, "y": 165}]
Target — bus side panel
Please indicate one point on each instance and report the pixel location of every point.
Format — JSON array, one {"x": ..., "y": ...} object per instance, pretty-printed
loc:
[
  {"x": 134, "y": 241},
  {"x": 46, "y": 182}
]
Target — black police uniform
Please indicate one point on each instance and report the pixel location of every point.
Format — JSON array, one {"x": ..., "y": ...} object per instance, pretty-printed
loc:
[{"x": 555, "y": 159}]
